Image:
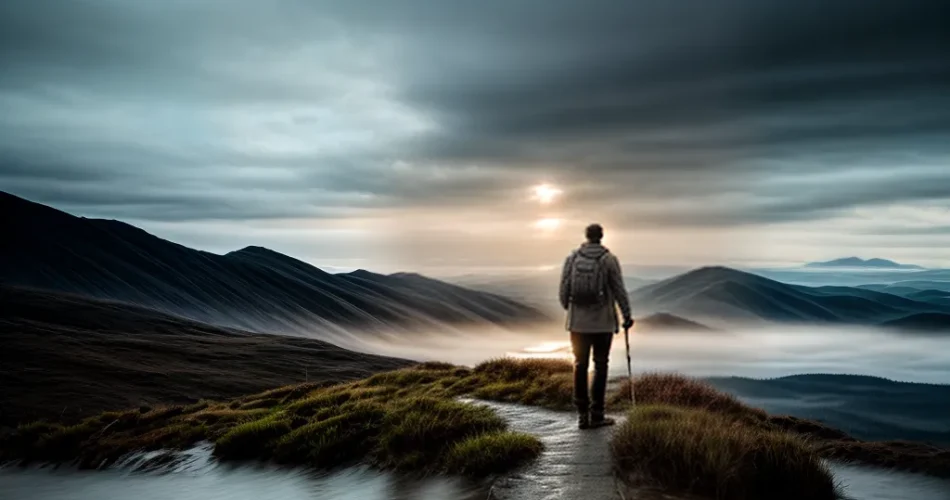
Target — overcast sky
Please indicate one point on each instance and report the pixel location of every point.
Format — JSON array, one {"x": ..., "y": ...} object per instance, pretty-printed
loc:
[{"x": 409, "y": 133}]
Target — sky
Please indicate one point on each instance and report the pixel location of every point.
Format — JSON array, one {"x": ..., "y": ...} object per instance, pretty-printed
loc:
[{"x": 413, "y": 134}]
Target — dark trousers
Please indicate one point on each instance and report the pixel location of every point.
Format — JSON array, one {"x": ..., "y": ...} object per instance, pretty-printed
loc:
[{"x": 583, "y": 344}]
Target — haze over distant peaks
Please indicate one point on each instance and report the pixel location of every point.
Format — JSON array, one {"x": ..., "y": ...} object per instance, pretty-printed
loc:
[
  {"x": 859, "y": 262},
  {"x": 717, "y": 296}
]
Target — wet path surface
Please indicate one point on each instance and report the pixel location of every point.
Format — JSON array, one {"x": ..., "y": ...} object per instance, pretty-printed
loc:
[{"x": 575, "y": 463}]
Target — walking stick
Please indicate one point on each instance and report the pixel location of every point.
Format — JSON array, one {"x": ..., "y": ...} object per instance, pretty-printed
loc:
[{"x": 626, "y": 335}]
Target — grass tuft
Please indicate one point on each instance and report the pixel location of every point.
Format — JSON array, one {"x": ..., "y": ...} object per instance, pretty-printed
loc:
[
  {"x": 346, "y": 437},
  {"x": 700, "y": 452},
  {"x": 492, "y": 453},
  {"x": 519, "y": 369},
  {"x": 682, "y": 391},
  {"x": 253, "y": 439},
  {"x": 428, "y": 426}
]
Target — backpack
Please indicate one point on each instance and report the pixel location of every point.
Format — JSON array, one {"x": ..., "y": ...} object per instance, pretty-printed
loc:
[{"x": 587, "y": 280}]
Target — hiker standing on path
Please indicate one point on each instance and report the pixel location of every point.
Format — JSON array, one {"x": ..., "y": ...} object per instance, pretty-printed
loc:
[{"x": 591, "y": 289}]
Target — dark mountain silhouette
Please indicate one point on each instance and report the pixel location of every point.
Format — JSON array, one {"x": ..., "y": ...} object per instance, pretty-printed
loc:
[
  {"x": 866, "y": 407},
  {"x": 928, "y": 322},
  {"x": 70, "y": 356},
  {"x": 252, "y": 288},
  {"x": 917, "y": 290},
  {"x": 720, "y": 294},
  {"x": 663, "y": 322},
  {"x": 858, "y": 262}
]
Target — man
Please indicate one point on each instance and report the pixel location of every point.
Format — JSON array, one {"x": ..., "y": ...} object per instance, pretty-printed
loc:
[{"x": 591, "y": 289}]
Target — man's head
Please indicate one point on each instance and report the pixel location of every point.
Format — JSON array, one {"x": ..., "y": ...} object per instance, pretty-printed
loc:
[{"x": 594, "y": 233}]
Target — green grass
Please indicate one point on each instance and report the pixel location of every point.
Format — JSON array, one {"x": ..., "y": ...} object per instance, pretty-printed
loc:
[
  {"x": 424, "y": 428},
  {"x": 350, "y": 435},
  {"x": 491, "y": 452},
  {"x": 405, "y": 419},
  {"x": 254, "y": 439},
  {"x": 712, "y": 455}
]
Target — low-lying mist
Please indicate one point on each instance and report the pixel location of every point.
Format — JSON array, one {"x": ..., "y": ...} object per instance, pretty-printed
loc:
[{"x": 759, "y": 352}]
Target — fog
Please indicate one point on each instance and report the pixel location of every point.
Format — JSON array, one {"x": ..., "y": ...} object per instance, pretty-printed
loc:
[{"x": 761, "y": 352}]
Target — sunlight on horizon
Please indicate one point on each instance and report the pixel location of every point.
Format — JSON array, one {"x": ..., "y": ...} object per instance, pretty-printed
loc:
[{"x": 549, "y": 224}]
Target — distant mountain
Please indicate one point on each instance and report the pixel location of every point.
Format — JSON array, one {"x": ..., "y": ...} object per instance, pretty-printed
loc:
[
  {"x": 927, "y": 322},
  {"x": 817, "y": 276},
  {"x": 720, "y": 295},
  {"x": 663, "y": 322},
  {"x": 856, "y": 262},
  {"x": 253, "y": 288}
]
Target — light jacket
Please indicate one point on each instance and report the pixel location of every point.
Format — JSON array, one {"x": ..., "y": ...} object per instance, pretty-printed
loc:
[{"x": 602, "y": 318}]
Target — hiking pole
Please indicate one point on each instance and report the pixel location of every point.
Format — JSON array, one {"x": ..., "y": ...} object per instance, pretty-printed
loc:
[{"x": 626, "y": 335}]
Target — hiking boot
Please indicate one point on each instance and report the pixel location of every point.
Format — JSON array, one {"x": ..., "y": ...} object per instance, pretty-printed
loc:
[
  {"x": 583, "y": 421},
  {"x": 600, "y": 421}
]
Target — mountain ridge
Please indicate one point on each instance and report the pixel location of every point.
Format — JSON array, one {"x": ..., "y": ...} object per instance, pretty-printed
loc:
[{"x": 252, "y": 288}]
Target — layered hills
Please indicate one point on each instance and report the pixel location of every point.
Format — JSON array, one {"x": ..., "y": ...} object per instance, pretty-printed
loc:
[{"x": 714, "y": 295}]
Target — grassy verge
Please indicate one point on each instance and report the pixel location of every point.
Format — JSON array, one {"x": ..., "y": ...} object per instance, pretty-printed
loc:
[
  {"x": 409, "y": 419},
  {"x": 712, "y": 455},
  {"x": 405, "y": 419}
]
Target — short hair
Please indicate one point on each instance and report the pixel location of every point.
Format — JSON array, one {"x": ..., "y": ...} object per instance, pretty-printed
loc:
[{"x": 594, "y": 233}]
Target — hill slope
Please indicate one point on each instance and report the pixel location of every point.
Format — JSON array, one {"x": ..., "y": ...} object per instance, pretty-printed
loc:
[
  {"x": 925, "y": 322},
  {"x": 69, "y": 356},
  {"x": 716, "y": 294},
  {"x": 253, "y": 288},
  {"x": 663, "y": 322}
]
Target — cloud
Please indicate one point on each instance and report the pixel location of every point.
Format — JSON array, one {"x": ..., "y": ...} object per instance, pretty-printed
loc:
[{"x": 656, "y": 113}]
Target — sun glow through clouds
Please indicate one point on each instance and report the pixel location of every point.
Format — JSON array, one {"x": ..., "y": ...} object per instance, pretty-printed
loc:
[{"x": 545, "y": 193}]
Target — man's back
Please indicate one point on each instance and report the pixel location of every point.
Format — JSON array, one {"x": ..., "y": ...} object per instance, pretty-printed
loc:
[{"x": 598, "y": 317}]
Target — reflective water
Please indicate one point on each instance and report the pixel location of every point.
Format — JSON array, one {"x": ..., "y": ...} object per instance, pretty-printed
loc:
[{"x": 198, "y": 477}]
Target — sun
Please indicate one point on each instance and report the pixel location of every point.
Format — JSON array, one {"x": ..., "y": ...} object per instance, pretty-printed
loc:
[{"x": 545, "y": 193}]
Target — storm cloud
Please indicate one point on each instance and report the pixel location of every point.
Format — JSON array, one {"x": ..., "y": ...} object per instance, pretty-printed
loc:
[{"x": 650, "y": 114}]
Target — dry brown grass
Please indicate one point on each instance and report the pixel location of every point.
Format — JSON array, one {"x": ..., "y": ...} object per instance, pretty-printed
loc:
[
  {"x": 682, "y": 391},
  {"x": 701, "y": 452}
]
